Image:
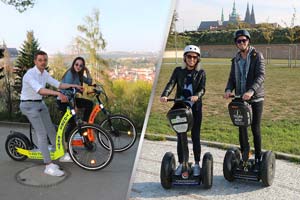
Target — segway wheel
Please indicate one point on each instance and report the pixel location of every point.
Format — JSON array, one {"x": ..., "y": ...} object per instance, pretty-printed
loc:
[
  {"x": 207, "y": 171},
  {"x": 229, "y": 165},
  {"x": 268, "y": 165},
  {"x": 167, "y": 167},
  {"x": 16, "y": 140}
]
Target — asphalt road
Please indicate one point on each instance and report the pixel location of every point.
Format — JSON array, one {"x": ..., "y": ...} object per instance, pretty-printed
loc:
[
  {"x": 110, "y": 183},
  {"x": 147, "y": 181}
]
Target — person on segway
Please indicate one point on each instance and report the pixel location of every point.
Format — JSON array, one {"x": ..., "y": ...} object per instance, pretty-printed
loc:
[
  {"x": 190, "y": 80},
  {"x": 246, "y": 78}
]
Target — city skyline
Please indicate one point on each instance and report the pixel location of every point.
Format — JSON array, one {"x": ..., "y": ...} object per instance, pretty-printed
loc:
[{"x": 192, "y": 12}]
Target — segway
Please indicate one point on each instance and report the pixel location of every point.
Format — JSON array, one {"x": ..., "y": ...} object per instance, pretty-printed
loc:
[
  {"x": 181, "y": 120},
  {"x": 237, "y": 166}
]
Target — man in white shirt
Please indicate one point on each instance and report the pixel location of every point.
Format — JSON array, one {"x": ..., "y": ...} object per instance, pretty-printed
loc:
[{"x": 33, "y": 89}]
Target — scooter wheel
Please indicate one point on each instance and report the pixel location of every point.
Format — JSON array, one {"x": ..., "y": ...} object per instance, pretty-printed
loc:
[
  {"x": 207, "y": 170},
  {"x": 167, "y": 167},
  {"x": 268, "y": 165},
  {"x": 229, "y": 164},
  {"x": 16, "y": 140}
]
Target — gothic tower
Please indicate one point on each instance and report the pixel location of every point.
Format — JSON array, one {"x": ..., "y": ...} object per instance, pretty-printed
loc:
[
  {"x": 252, "y": 16},
  {"x": 247, "y": 16}
]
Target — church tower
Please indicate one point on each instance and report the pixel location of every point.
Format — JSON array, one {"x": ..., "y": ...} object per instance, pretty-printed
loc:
[
  {"x": 247, "y": 16},
  {"x": 222, "y": 16},
  {"x": 233, "y": 17},
  {"x": 252, "y": 16}
]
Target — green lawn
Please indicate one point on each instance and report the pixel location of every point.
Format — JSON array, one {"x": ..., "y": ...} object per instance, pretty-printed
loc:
[{"x": 281, "y": 117}]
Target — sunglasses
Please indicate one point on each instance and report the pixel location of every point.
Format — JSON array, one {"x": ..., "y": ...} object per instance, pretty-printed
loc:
[
  {"x": 80, "y": 65},
  {"x": 242, "y": 40},
  {"x": 42, "y": 60},
  {"x": 191, "y": 57}
]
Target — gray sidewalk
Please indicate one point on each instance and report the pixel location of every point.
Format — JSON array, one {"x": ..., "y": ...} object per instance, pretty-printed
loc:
[
  {"x": 110, "y": 183},
  {"x": 147, "y": 181}
]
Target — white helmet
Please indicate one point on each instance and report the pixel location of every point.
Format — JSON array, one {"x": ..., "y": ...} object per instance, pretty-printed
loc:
[{"x": 191, "y": 48}]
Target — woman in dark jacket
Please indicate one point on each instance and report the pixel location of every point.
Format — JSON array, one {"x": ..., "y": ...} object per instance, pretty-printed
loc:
[
  {"x": 75, "y": 75},
  {"x": 190, "y": 80}
]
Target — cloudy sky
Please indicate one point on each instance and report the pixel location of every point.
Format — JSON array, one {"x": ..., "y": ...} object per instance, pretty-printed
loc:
[
  {"x": 192, "y": 12},
  {"x": 132, "y": 25}
]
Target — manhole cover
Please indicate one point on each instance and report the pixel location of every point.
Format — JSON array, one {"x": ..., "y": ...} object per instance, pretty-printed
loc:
[{"x": 35, "y": 176}]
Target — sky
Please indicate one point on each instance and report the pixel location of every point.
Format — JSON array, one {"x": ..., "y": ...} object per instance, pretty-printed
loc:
[
  {"x": 131, "y": 25},
  {"x": 192, "y": 12}
]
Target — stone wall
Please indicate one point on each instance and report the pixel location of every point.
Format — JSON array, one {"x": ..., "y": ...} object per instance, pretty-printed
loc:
[{"x": 274, "y": 51}]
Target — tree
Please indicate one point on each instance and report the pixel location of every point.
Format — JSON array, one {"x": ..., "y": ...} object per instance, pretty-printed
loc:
[
  {"x": 292, "y": 36},
  {"x": 20, "y": 5},
  {"x": 1, "y": 68},
  {"x": 58, "y": 66},
  {"x": 268, "y": 33},
  {"x": 25, "y": 59},
  {"x": 6, "y": 70},
  {"x": 291, "y": 31},
  {"x": 91, "y": 42}
]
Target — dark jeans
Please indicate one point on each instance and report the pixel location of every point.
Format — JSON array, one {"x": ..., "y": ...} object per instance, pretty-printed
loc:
[
  {"x": 80, "y": 103},
  {"x": 197, "y": 115},
  {"x": 257, "y": 109}
]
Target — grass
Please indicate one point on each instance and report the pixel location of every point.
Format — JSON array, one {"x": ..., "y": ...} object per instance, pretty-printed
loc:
[{"x": 281, "y": 119}]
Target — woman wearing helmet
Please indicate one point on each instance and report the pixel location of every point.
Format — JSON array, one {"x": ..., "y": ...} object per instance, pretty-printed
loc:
[
  {"x": 190, "y": 80},
  {"x": 246, "y": 79}
]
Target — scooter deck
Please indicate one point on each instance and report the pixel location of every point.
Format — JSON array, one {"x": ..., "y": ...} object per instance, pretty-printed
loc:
[
  {"x": 248, "y": 174},
  {"x": 191, "y": 180}
]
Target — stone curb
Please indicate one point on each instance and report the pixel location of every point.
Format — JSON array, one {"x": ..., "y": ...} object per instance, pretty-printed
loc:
[
  {"x": 20, "y": 124},
  {"x": 279, "y": 155}
]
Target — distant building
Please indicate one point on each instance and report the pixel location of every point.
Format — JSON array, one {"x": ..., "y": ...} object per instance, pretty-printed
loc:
[
  {"x": 234, "y": 18},
  {"x": 13, "y": 52}
]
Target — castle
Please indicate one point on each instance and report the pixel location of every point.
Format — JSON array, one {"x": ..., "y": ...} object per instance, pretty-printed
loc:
[{"x": 233, "y": 19}]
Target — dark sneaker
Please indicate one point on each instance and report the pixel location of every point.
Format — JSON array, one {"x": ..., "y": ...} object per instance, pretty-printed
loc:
[{"x": 256, "y": 165}]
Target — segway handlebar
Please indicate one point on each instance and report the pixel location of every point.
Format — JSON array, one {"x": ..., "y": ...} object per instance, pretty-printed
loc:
[{"x": 180, "y": 99}]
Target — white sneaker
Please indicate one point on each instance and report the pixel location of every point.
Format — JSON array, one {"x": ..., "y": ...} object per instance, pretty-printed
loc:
[
  {"x": 196, "y": 170},
  {"x": 178, "y": 170},
  {"x": 53, "y": 170},
  {"x": 51, "y": 148},
  {"x": 66, "y": 158}
]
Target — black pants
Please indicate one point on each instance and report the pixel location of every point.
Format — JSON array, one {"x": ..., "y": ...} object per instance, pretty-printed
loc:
[
  {"x": 80, "y": 103},
  {"x": 197, "y": 115},
  {"x": 257, "y": 109}
]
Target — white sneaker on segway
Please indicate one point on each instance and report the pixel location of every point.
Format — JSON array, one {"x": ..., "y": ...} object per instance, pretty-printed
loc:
[
  {"x": 53, "y": 170},
  {"x": 178, "y": 170},
  {"x": 66, "y": 158},
  {"x": 196, "y": 170}
]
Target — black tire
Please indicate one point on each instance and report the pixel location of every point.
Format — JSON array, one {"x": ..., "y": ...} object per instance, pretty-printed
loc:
[
  {"x": 90, "y": 155},
  {"x": 268, "y": 165},
  {"x": 124, "y": 134},
  {"x": 16, "y": 140},
  {"x": 237, "y": 154},
  {"x": 166, "y": 169},
  {"x": 207, "y": 170},
  {"x": 229, "y": 165}
]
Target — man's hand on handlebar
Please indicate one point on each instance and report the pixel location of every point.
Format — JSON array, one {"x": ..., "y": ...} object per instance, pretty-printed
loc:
[
  {"x": 63, "y": 98},
  {"x": 228, "y": 94},
  {"x": 248, "y": 95},
  {"x": 194, "y": 98}
]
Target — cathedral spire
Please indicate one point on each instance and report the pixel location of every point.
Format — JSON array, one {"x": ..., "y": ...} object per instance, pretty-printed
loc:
[
  {"x": 252, "y": 16},
  {"x": 222, "y": 16},
  {"x": 247, "y": 16}
]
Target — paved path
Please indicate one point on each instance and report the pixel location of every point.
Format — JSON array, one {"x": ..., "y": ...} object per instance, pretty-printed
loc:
[
  {"x": 110, "y": 183},
  {"x": 147, "y": 182}
]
